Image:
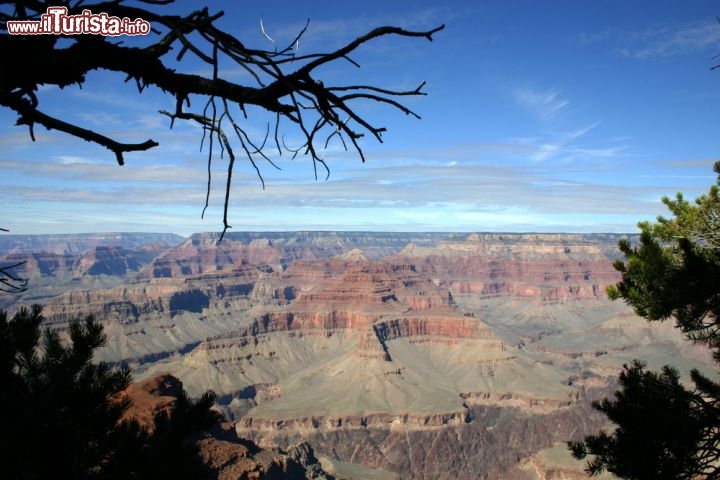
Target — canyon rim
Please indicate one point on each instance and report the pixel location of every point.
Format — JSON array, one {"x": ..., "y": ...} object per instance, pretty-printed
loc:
[{"x": 392, "y": 355}]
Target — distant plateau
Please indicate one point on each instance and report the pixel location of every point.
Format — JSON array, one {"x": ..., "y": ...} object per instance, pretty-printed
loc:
[{"x": 386, "y": 355}]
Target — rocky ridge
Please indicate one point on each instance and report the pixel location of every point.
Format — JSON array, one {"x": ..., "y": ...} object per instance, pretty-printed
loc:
[
  {"x": 79, "y": 243},
  {"x": 461, "y": 355},
  {"x": 51, "y": 273},
  {"x": 228, "y": 456},
  {"x": 553, "y": 268}
]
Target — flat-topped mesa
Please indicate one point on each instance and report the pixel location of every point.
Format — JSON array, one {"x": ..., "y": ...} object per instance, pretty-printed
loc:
[
  {"x": 340, "y": 293},
  {"x": 432, "y": 326},
  {"x": 447, "y": 330},
  {"x": 117, "y": 261},
  {"x": 123, "y": 304},
  {"x": 43, "y": 263},
  {"x": 551, "y": 268},
  {"x": 80, "y": 243},
  {"x": 596, "y": 239},
  {"x": 238, "y": 281},
  {"x": 100, "y": 260},
  {"x": 372, "y": 302},
  {"x": 128, "y": 303},
  {"x": 201, "y": 254},
  {"x": 368, "y": 283}
]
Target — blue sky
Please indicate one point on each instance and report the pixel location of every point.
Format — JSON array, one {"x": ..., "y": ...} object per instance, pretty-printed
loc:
[{"x": 540, "y": 116}]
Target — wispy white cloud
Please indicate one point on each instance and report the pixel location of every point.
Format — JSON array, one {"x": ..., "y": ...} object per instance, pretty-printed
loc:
[
  {"x": 64, "y": 160},
  {"x": 580, "y": 132},
  {"x": 62, "y": 198},
  {"x": 95, "y": 171},
  {"x": 101, "y": 118},
  {"x": 335, "y": 32},
  {"x": 667, "y": 41},
  {"x": 450, "y": 192},
  {"x": 567, "y": 146},
  {"x": 545, "y": 104}
]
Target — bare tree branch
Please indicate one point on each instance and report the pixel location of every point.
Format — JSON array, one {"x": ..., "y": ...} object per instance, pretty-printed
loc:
[
  {"x": 10, "y": 282},
  {"x": 285, "y": 83}
]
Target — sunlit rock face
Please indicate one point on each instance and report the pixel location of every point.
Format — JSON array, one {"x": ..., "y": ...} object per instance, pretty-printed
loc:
[
  {"x": 227, "y": 456},
  {"x": 424, "y": 355},
  {"x": 550, "y": 268}
]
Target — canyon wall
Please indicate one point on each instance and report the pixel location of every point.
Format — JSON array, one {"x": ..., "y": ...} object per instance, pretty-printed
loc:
[{"x": 425, "y": 355}]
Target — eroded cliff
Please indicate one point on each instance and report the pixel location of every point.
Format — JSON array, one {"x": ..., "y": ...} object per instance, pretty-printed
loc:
[{"x": 457, "y": 355}]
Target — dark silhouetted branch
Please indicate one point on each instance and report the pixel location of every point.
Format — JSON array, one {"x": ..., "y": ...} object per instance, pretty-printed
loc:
[
  {"x": 10, "y": 282},
  {"x": 286, "y": 83}
]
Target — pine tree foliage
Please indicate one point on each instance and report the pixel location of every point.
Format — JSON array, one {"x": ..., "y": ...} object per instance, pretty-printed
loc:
[
  {"x": 62, "y": 414},
  {"x": 663, "y": 429},
  {"x": 675, "y": 271}
]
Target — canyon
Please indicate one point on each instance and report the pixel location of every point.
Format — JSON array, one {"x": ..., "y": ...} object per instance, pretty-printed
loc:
[{"x": 391, "y": 355}]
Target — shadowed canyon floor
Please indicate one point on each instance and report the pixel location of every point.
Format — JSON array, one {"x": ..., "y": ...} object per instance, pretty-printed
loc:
[{"x": 418, "y": 355}]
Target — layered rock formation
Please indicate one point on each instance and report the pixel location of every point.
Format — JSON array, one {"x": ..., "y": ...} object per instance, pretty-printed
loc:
[
  {"x": 79, "y": 262},
  {"x": 203, "y": 253},
  {"x": 148, "y": 320},
  {"x": 348, "y": 319},
  {"x": 552, "y": 268},
  {"x": 79, "y": 243},
  {"x": 425, "y": 355},
  {"x": 371, "y": 360},
  {"x": 115, "y": 261}
]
